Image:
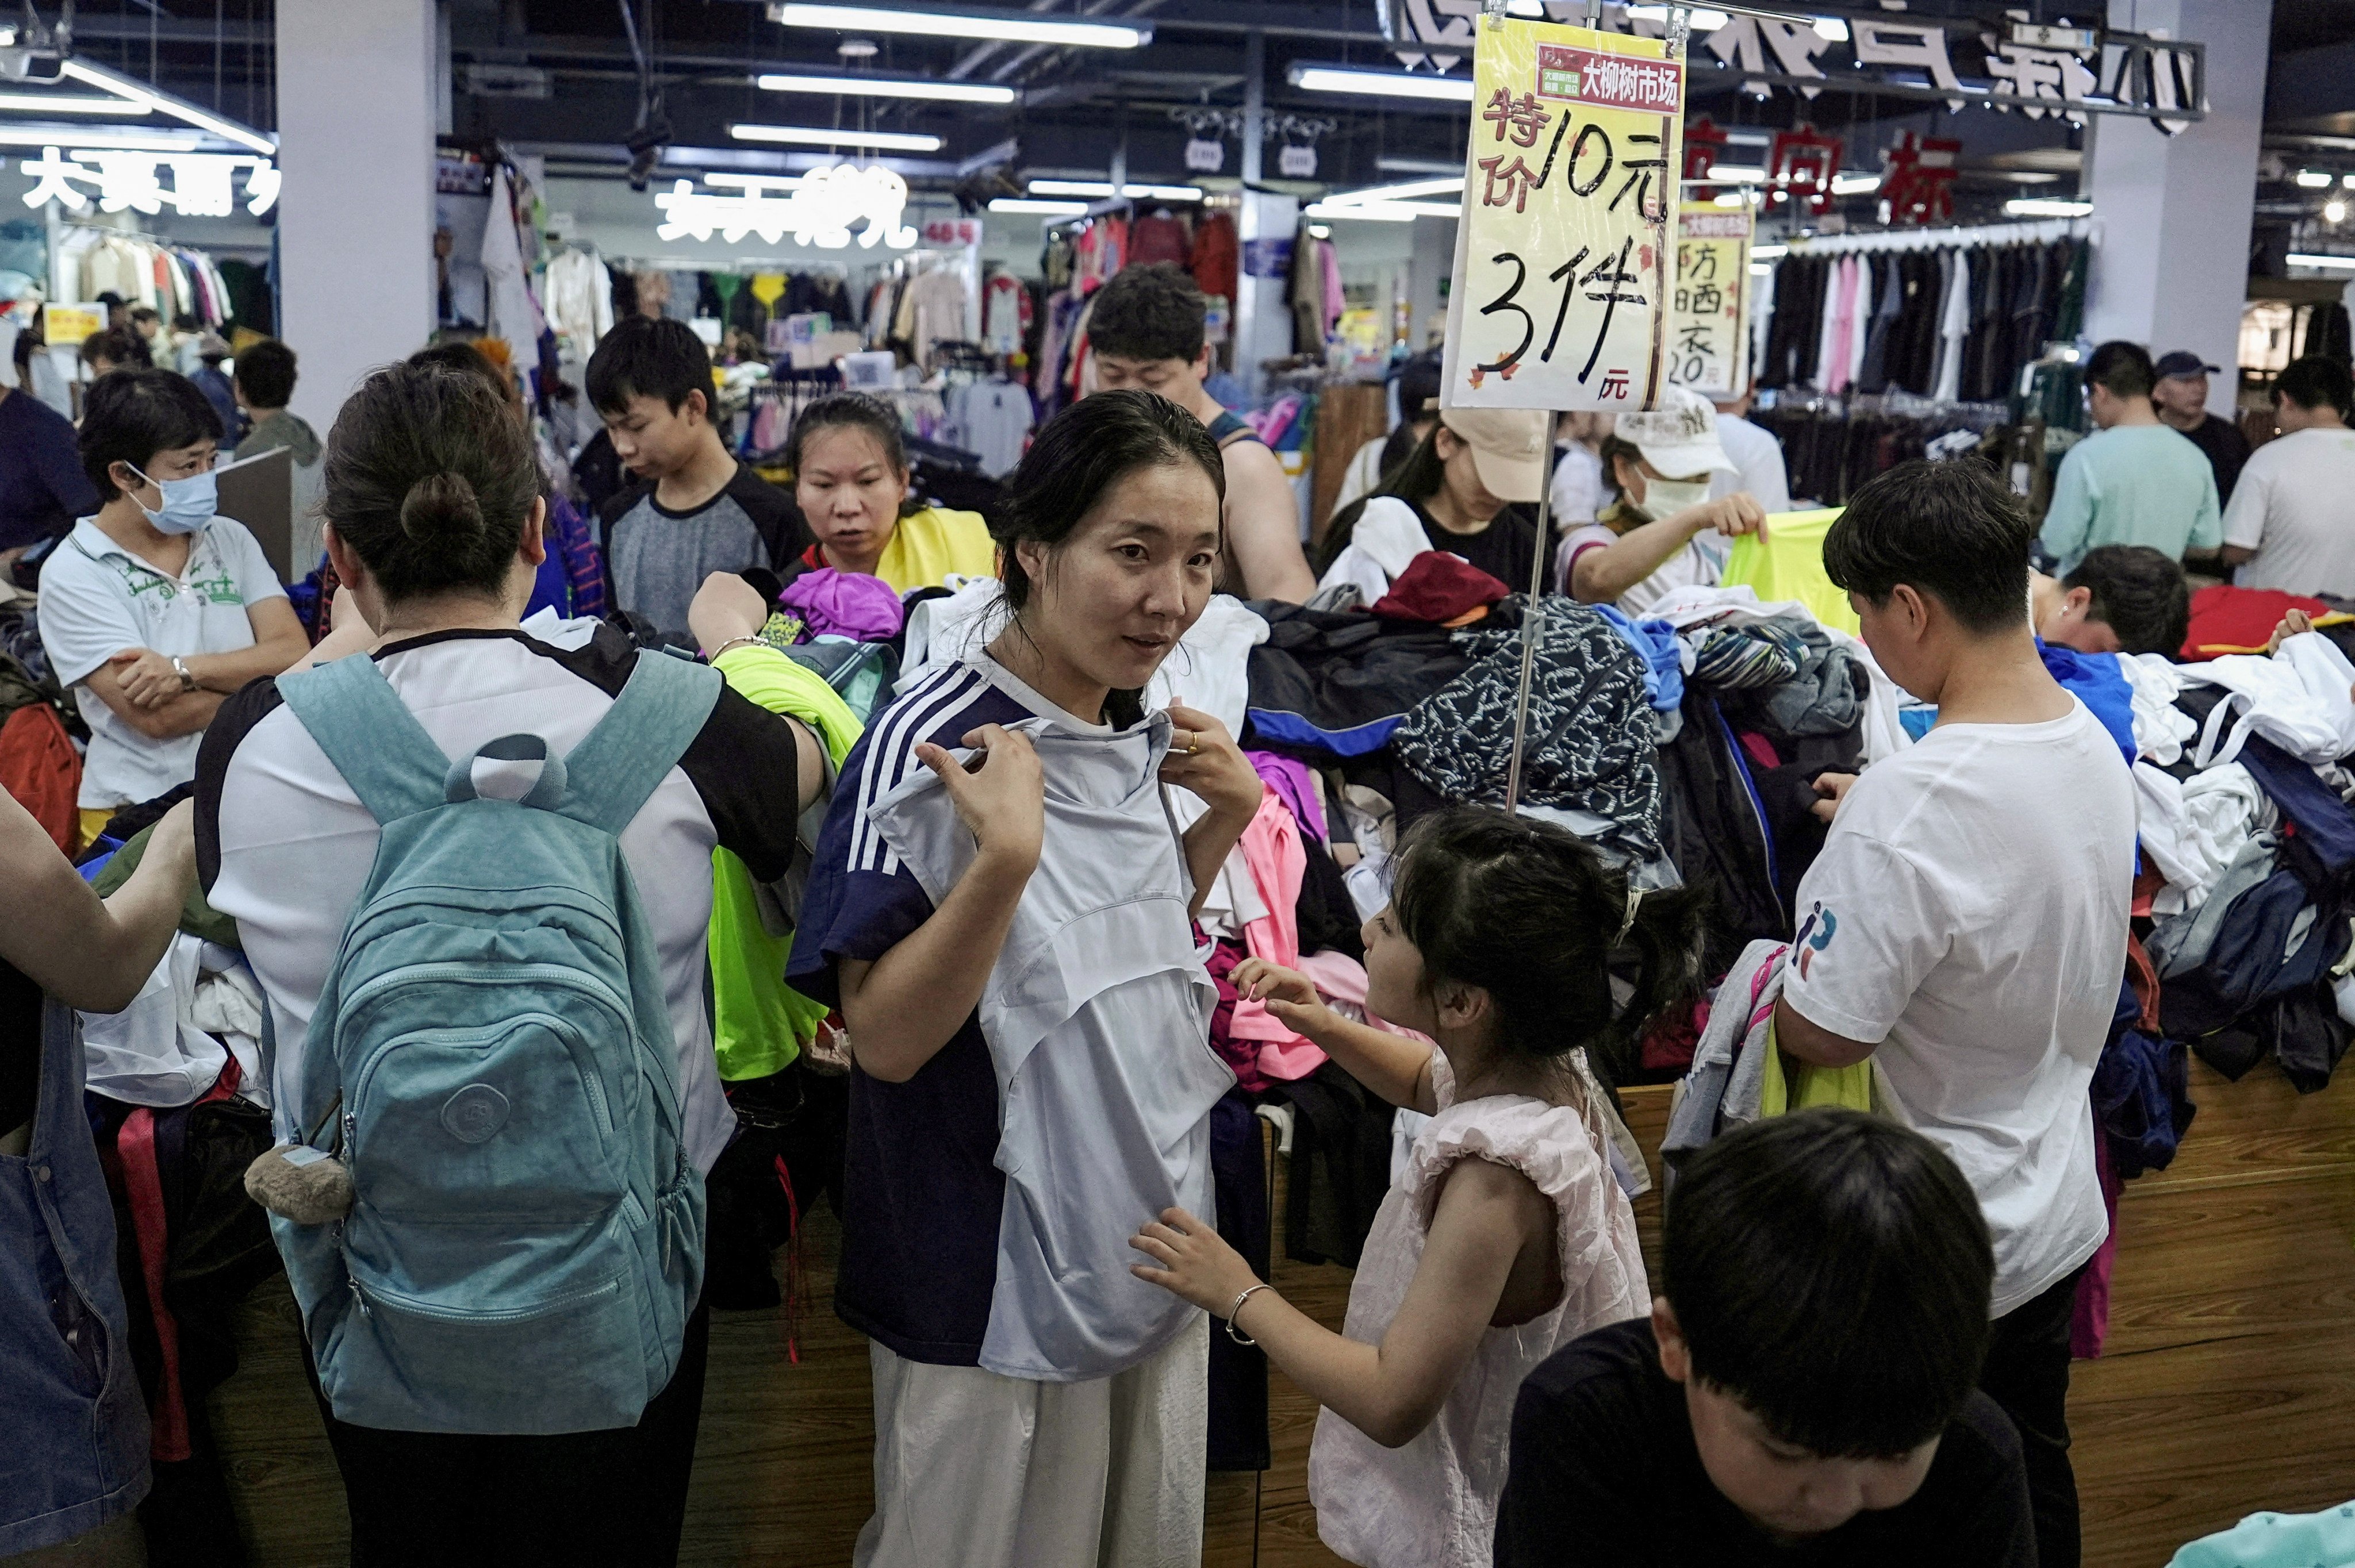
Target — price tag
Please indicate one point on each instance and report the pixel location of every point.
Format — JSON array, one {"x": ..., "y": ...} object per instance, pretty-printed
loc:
[
  {"x": 1296, "y": 162},
  {"x": 64, "y": 326},
  {"x": 1709, "y": 308},
  {"x": 1559, "y": 297},
  {"x": 1205, "y": 156}
]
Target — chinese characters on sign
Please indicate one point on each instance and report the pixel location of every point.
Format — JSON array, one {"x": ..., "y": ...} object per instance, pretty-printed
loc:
[
  {"x": 1708, "y": 307},
  {"x": 1801, "y": 166},
  {"x": 202, "y": 182},
  {"x": 1559, "y": 291},
  {"x": 1919, "y": 184},
  {"x": 2039, "y": 70},
  {"x": 815, "y": 208}
]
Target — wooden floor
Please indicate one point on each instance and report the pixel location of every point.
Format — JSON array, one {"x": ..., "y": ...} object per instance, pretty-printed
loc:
[{"x": 2228, "y": 1386}]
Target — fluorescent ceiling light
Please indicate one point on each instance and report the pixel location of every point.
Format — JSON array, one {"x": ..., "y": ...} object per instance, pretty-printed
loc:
[
  {"x": 2313, "y": 179},
  {"x": 1016, "y": 27},
  {"x": 1831, "y": 30},
  {"x": 1378, "y": 214},
  {"x": 813, "y": 136},
  {"x": 164, "y": 103},
  {"x": 1385, "y": 211},
  {"x": 2046, "y": 206},
  {"x": 100, "y": 139},
  {"x": 1448, "y": 184},
  {"x": 1381, "y": 83},
  {"x": 1704, "y": 20},
  {"x": 1768, "y": 252},
  {"x": 1045, "y": 209},
  {"x": 60, "y": 103},
  {"x": 1102, "y": 188},
  {"x": 2298, "y": 259},
  {"x": 1854, "y": 184},
  {"x": 1752, "y": 172},
  {"x": 1731, "y": 198},
  {"x": 889, "y": 86}
]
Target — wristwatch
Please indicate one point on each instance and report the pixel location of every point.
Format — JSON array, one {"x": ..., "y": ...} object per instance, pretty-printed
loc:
[{"x": 187, "y": 677}]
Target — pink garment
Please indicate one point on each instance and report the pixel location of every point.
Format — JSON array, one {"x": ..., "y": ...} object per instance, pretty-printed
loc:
[
  {"x": 1835, "y": 366},
  {"x": 1272, "y": 848},
  {"x": 1341, "y": 981},
  {"x": 1334, "y": 302},
  {"x": 845, "y": 604},
  {"x": 2089, "y": 1323},
  {"x": 1432, "y": 1502}
]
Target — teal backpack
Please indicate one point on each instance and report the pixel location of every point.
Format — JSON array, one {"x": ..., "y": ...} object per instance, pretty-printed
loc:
[{"x": 492, "y": 1056}]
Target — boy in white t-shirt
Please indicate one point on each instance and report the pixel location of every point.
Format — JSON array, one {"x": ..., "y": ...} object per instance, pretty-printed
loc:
[{"x": 1966, "y": 925}]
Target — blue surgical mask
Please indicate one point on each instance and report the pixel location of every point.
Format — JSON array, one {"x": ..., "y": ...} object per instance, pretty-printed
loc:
[{"x": 188, "y": 503}]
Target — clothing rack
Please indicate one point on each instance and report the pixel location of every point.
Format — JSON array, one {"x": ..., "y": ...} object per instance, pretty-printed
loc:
[{"x": 2043, "y": 232}]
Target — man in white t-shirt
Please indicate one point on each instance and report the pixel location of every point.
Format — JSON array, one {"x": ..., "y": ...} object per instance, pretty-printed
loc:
[
  {"x": 1966, "y": 925},
  {"x": 1756, "y": 455},
  {"x": 2289, "y": 525}
]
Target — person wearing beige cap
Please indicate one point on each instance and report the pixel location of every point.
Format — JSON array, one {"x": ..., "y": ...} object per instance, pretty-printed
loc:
[
  {"x": 1456, "y": 491},
  {"x": 1661, "y": 531}
]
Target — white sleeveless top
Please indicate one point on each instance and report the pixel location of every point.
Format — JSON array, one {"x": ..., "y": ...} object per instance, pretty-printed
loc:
[
  {"x": 1097, "y": 1016},
  {"x": 1433, "y": 1502}
]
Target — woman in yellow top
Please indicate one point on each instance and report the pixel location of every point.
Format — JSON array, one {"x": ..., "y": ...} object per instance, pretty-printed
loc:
[{"x": 850, "y": 479}]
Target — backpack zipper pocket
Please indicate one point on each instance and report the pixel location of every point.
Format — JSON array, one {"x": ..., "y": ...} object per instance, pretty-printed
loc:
[{"x": 397, "y": 1302}]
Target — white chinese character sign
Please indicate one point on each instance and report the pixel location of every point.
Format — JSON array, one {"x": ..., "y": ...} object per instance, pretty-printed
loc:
[
  {"x": 202, "y": 182},
  {"x": 1559, "y": 294},
  {"x": 1709, "y": 308}
]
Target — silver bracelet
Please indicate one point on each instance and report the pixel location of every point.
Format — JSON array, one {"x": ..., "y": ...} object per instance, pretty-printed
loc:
[
  {"x": 734, "y": 643},
  {"x": 1233, "y": 1333}
]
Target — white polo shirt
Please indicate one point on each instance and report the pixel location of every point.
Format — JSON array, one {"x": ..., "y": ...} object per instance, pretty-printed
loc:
[{"x": 97, "y": 599}]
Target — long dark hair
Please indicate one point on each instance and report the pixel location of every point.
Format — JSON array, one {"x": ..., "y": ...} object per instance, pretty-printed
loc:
[
  {"x": 1415, "y": 479},
  {"x": 1529, "y": 913},
  {"x": 1077, "y": 456}
]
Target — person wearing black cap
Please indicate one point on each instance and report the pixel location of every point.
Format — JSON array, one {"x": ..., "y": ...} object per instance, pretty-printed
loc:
[{"x": 2181, "y": 394}]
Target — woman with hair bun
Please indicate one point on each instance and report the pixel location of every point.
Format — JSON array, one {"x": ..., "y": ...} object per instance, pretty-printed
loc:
[
  {"x": 434, "y": 519},
  {"x": 1006, "y": 930}
]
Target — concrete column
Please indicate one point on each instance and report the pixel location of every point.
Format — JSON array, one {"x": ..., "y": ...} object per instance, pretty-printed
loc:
[
  {"x": 1262, "y": 319},
  {"x": 356, "y": 116},
  {"x": 2171, "y": 267},
  {"x": 1427, "y": 271}
]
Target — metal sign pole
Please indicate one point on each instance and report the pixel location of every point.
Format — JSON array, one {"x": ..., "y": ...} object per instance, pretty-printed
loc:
[{"x": 1532, "y": 625}]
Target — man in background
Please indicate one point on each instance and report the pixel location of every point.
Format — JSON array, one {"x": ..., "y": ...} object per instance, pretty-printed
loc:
[
  {"x": 2181, "y": 396},
  {"x": 1756, "y": 455},
  {"x": 1146, "y": 330},
  {"x": 2290, "y": 526},
  {"x": 264, "y": 382},
  {"x": 2135, "y": 480}
]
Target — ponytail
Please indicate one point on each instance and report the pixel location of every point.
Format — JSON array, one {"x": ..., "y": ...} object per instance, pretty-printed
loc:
[{"x": 1532, "y": 914}]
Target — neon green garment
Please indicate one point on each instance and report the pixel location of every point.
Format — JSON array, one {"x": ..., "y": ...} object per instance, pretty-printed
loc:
[
  {"x": 759, "y": 1023},
  {"x": 1787, "y": 564},
  {"x": 1809, "y": 1085}
]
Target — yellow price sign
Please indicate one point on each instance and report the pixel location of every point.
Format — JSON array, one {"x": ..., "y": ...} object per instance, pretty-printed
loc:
[
  {"x": 1560, "y": 295},
  {"x": 1709, "y": 309},
  {"x": 63, "y": 326}
]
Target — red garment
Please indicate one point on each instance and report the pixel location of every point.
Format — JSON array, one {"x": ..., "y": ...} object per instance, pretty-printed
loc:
[
  {"x": 1218, "y": 255},
  {"x": 1241, "y": 1056},
  {"x": 2226, "y": 617},
  {"x": 1157, "y": 237},
  {"x": 1436, "y": 588},
  {"x": 143, "y": 1189},
  {"x": 41, "y": 767},
  {"x": 2089, "y": 1321}
]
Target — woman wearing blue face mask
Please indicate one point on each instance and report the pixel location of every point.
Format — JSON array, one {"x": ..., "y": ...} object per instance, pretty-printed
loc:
[
  {"x": 1661, "y": 531},
  {"x": 154, "y": 608}
]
